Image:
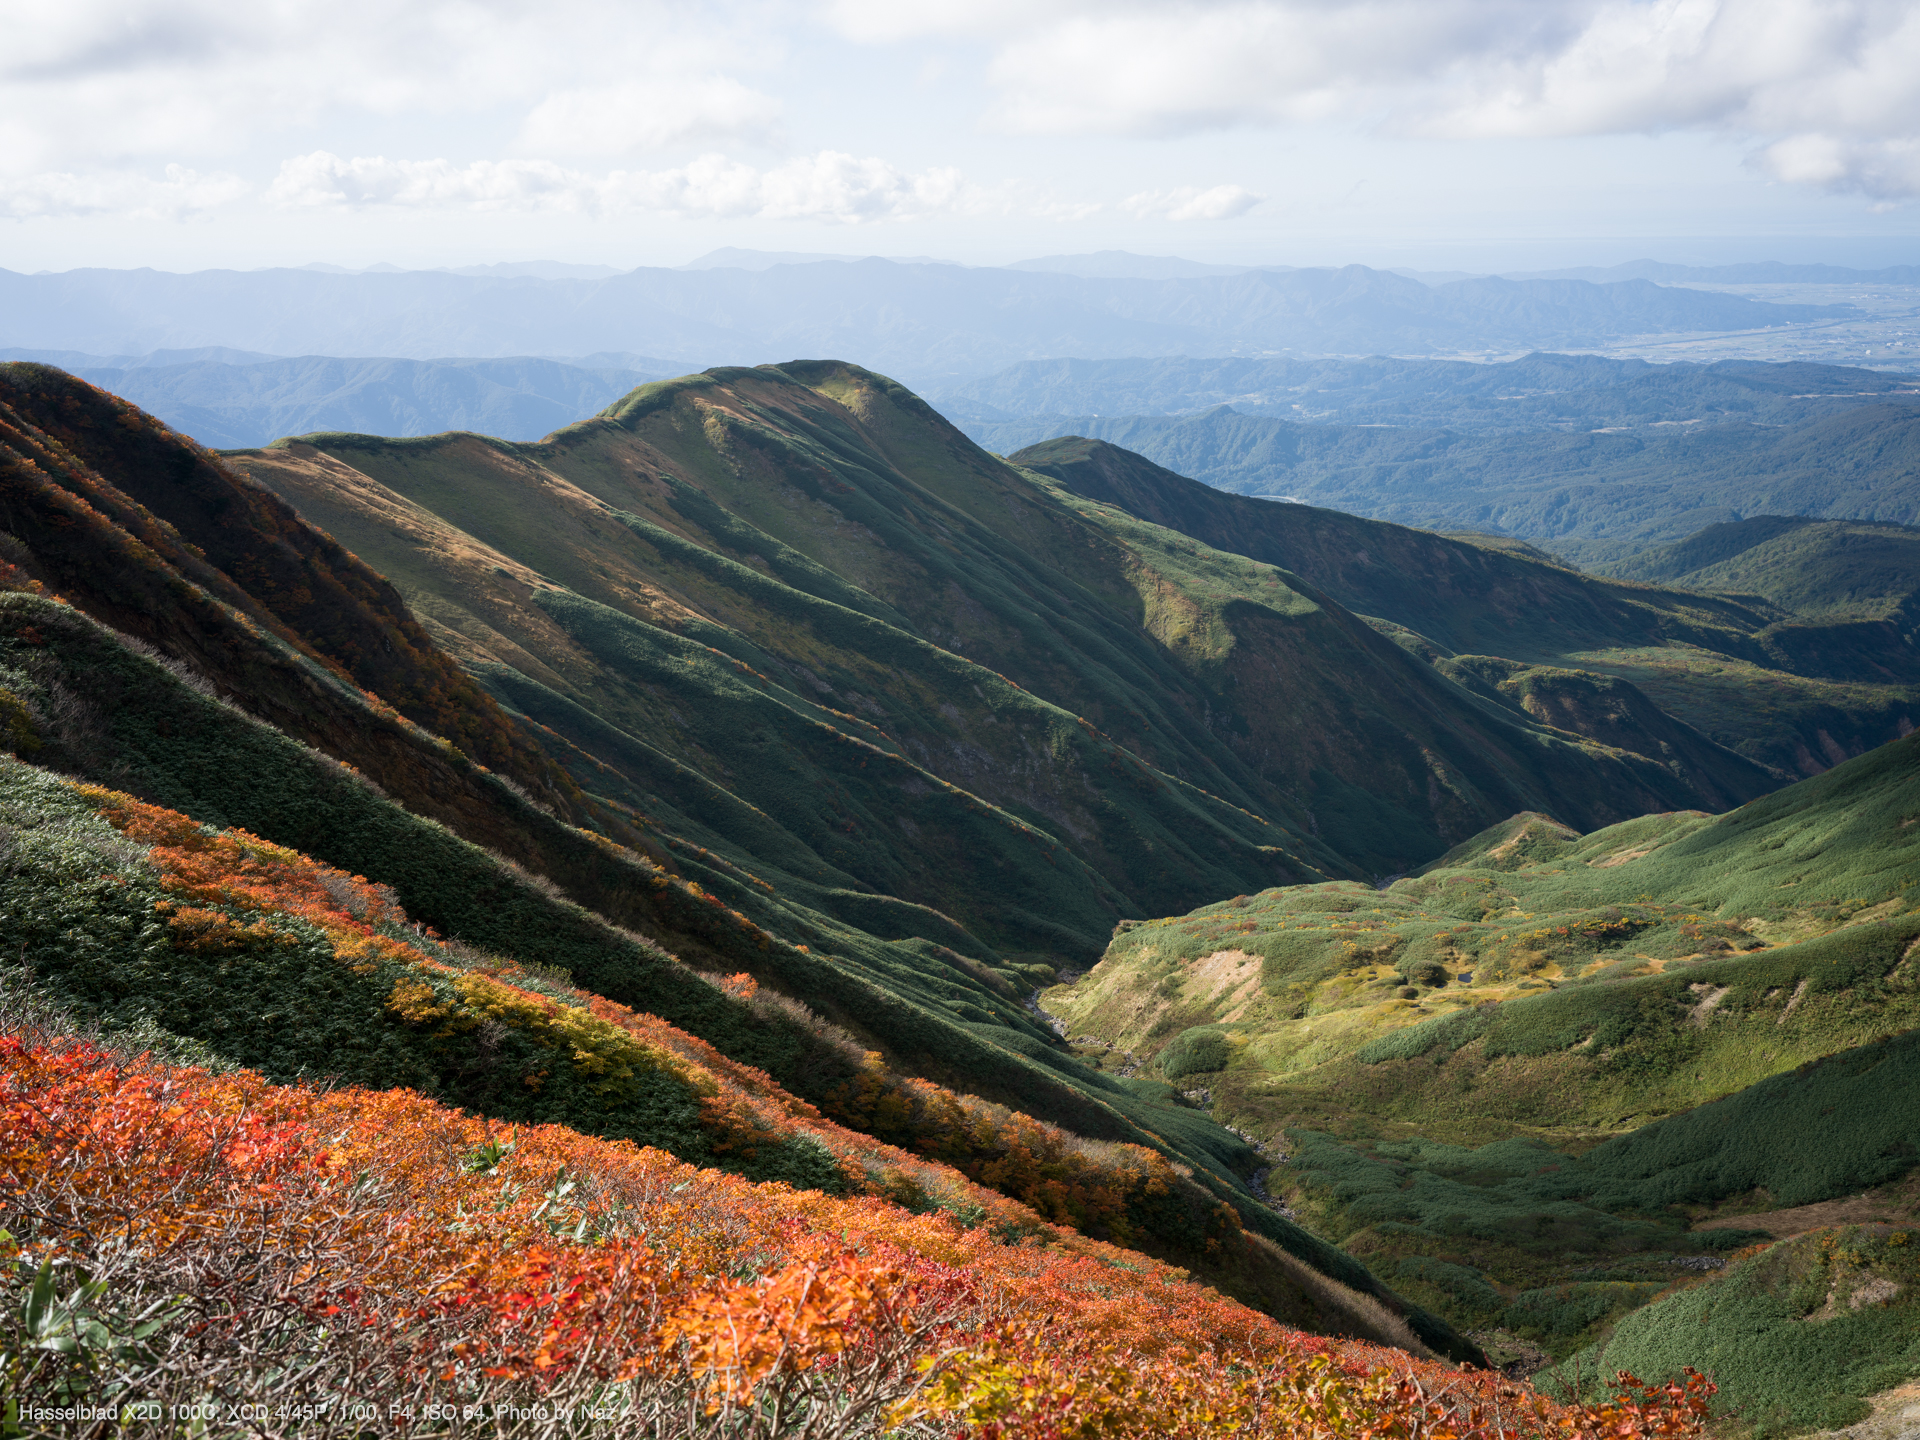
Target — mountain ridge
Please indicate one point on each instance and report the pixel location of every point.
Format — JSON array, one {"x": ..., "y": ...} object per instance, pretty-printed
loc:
[{"x": 924, "y": 322}]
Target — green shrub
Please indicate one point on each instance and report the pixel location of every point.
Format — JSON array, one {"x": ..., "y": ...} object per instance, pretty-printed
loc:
[
  {"x": 1777, "y": 1333},
  {"x": 1195, "y": 1052}
]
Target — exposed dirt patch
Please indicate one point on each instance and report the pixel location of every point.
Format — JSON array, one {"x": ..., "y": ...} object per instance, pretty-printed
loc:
[
  {"x": 1896, "y": 1416},
  {"x": 1897, "y": 1204},
  {"x": 1710, "y": 998},
  {"x": 1798, "y": 991},
  {"x": 1231, "y": 979},
  {"x": 1622, "y": 858}
]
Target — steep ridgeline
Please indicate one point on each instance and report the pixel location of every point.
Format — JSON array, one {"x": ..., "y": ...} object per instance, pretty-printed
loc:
[
  {"x": 1729, "y": 1003},
  {"x": 1793, "y": 693},
  {"x": 226, "y": 939},
  {"x": 792, "y": 612}
]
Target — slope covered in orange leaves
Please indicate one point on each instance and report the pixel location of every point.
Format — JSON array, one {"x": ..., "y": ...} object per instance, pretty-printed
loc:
[
  {"x": 267, "y": 958},
  {"x": 350, "y": 1262}
]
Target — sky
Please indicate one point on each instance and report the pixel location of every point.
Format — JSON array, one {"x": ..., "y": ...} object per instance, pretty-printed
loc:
[{"x": 1442, "y": 134}]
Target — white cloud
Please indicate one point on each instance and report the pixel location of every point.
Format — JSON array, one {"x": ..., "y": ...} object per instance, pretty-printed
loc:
[
  {"x": 1222, "y": 202},
  {"x": 624, "y": 119},
  {"x": 828, "y": 186},
  {"x": 99, "y": 80},
  {"x": 1828, "y": 90},
  {"x": 59, "y": 195},
  {"x": 1882, "y": 170},
  {"x": 323, "y": 179}
]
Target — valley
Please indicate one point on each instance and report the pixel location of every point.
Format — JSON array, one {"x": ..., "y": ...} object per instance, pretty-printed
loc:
[{"x": 1463, "y": 957}]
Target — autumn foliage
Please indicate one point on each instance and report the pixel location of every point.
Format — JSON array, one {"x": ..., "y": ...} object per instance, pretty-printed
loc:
[
  {"x": 354, "y": 1261},
  {"x": 897, "y": 1136},
  {"x": 349, "y": 1261}
]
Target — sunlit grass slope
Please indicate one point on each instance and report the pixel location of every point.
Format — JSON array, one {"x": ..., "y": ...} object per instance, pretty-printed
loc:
[
  {"x": 1598, "y": 953},
  {"x": 1752, "y": 977},
  {"x": 1799, "y": 1336}
]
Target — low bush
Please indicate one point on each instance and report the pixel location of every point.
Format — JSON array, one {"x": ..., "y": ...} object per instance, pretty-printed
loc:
[
  {"x": 1196, "y": 1051},
  {"x": 1796, "y": 1336}
]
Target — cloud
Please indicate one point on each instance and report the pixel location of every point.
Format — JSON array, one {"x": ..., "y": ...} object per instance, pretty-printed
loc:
[
  {"x": 92, "y": 81},
  {"x": 1222, "y": 202},
  {"x": 1881, "y": 170},
  {"x": 625, "y": 119},
  {"x": 61, "y": 195},
  {"x": 1827, "y": 90},
  {"x": 829, "y": 187}
]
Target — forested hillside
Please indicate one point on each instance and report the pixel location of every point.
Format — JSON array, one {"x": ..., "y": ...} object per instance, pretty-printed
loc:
[{"x": 1590, "y": 494}]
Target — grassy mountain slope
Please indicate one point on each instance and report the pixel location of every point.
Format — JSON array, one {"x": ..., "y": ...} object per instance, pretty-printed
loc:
[
  {"x": 1535, "y": 992},
  {"x": 1788, "y": 694},
  {"x": 1135, "y": 701},
  {"x": 1799, "y": 1336},
  {"x": 102, "y": 706},
  {"x": 1615, "y": 934},
  {"x": 1810, "y": 567}
]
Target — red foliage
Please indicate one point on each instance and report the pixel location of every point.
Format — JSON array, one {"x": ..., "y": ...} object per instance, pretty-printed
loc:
[{"x": 435, "y": 1259}]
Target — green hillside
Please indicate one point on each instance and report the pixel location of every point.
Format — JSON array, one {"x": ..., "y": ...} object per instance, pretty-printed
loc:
[
  {"x": 1809, "y": 567},
  {"x": 1738, "y": 672},
  {"x": 1800, "y": 1336},
  {"x": 1591, "y": 493},
  {"x": 817, "y": 555},
  {"x": 1441, "y": 1056}
]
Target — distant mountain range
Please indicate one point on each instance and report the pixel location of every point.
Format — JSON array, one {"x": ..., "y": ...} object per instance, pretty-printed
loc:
[
  {"x": 227, "y": 398},
  {"x": 1594, "y": 458},
  {"x": 1589, "y": 496},
  {"x": 1536, "y": 392},
  {"x": 926, "y": 324},
  {"x": 1766, "y": 272}
]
